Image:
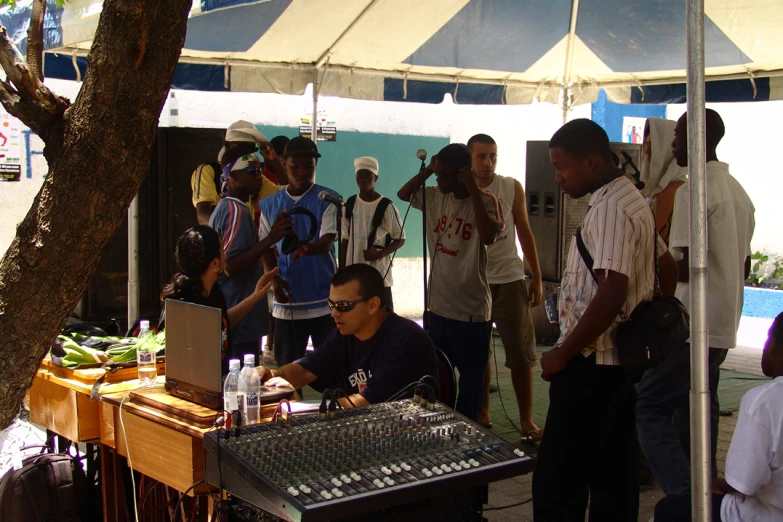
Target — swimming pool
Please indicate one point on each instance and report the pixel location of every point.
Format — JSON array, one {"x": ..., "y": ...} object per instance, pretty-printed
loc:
[{"x": 760, "y": 302}]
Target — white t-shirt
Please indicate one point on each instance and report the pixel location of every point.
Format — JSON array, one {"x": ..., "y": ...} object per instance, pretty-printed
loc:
[
  {"x": 754, "y": 464},
  {"x": 328, "y": 226},
  {"x": 730, "y": 225},
  {"x": 503, "y": 262},
  {"x": 357, "y": 230},
  {"x": 458, "y": 287}
]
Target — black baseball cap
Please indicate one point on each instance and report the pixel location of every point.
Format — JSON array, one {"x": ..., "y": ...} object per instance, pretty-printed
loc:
[{"x": 300, "y": 146}]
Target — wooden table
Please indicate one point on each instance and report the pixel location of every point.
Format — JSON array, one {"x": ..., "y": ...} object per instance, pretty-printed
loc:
[{"x": 163, "y": 435}]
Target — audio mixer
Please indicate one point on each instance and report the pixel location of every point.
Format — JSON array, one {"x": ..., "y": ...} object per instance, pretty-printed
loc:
[{"x": 362, "y": 460}]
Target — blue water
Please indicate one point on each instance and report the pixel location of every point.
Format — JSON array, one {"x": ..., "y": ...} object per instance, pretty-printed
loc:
[{"x": 760, "y": 302}]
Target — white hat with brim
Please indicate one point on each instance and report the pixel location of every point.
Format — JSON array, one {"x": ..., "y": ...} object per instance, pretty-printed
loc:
[
  {"x": 244, "y": 131},
  {"x": 366, "y": 163}
]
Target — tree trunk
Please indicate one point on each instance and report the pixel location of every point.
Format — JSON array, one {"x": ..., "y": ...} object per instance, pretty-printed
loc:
[
  {"x": 35, "y": 43},
  {"x": 97, "y": 161}
]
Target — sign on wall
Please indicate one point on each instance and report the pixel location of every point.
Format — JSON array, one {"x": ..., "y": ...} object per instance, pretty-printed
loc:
[{"x": 10, "y": 148}]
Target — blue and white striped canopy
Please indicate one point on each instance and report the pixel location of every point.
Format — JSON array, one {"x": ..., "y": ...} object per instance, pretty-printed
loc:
[{"x": 480, "y": 51}]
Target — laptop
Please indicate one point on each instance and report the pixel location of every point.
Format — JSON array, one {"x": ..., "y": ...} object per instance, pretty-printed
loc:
[{"x": 194, "y": 342}]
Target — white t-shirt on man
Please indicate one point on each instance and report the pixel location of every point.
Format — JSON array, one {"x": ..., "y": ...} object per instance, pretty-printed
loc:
[
  {"x": 730, "y": 225},
  {"x": 357, "y": 230},
  {"x": 754, "y": 463}
]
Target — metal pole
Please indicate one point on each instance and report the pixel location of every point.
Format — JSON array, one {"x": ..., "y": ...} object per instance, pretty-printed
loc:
[
  {"x": 316, "y": 87},
  {"x": 701, "y": 473},
  {"x": 133, "y": 262},
  {"x": 425, "y": 316}
]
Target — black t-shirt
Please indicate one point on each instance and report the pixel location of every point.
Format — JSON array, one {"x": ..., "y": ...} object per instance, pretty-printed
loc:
[
  {"x": 215, "y": 299},
  {"x": 398, "y": 354}
]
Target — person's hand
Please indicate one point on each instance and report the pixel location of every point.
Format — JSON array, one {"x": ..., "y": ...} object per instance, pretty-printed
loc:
[
  {"x": 263, "y": 373},
  {"x": 299, "y": 252},
  {"x": 465, "y": 175},
  {"x": 372, "y": 254},
  {"x": 535, "y": 292},
  {"x": 283, "y": 226},
  {"x": 430, "y": 170},
  {"x": 278, "y": 382},
  {"x": 552, "y": 363},
  {"x": 265, "y": 283},
  {"x": 267, "y": 151},
  {"x": 282, "y": 290}
]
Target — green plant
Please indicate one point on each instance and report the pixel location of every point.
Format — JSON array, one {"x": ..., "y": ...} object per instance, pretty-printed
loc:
[{"x": 765, "y": 268}]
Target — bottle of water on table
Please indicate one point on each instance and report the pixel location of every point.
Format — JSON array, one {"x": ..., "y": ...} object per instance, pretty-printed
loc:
[
  {"x": 249, "y": 386},
  {"x": 231, "y": 395},
  {"x": 145, "y": 354}
]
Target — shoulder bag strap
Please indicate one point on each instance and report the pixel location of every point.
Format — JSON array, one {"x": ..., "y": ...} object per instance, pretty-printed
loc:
[{"x": 588, "y": 260}]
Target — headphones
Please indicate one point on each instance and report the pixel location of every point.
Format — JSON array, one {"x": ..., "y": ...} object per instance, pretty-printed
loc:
[{"x": 291, "y": 242}]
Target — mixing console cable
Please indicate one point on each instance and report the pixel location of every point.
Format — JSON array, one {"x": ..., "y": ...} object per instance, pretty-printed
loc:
[
  {"x": 498, "y": 508},
  {"x": 411, "y": 386},
  {"x": 185, "y": 494},
  {"x": 497, "y": 381},
  {"x": 339, "y": 392},
  {"x": 217, "y": 425}
]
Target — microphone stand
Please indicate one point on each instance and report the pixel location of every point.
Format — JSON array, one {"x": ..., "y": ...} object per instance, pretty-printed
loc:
[{"x": 426, "y": 315}]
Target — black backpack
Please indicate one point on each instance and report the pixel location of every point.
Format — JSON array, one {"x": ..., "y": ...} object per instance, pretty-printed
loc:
[
  {"x": 377, "y": 218},
  {"x": 49, "y": 487}
]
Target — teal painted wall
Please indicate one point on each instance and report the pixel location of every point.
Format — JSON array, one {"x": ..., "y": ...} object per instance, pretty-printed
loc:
[{"x": 396, "y": 155}]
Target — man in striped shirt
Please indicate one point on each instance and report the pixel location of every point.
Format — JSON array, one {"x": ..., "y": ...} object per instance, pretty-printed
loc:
[
  {"x": 589, "y": 444},
  {"x": 233, "y": 221}
]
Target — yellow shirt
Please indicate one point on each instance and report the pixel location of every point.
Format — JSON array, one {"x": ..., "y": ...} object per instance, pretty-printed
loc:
[{"x": 202, "y": 183}]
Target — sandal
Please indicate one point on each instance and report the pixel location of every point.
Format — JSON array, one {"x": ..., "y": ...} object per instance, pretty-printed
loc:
[{"x": 531, "y": 437}]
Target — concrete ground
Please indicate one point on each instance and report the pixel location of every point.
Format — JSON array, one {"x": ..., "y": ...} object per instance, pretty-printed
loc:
[{"x": 732, "y": 386}]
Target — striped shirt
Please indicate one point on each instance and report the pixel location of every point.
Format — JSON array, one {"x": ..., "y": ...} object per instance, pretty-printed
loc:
[{"x": 618, "y": 232}]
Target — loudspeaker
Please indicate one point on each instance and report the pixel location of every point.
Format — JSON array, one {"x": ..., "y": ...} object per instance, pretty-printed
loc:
[
  {"x": 165, "y": 211},
  {"x": 554, "y": 218}
]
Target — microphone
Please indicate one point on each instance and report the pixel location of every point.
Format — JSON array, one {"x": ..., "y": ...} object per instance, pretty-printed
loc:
[
  {"x": 325, "y": 196},
  {"x": 421, "y": 154}
]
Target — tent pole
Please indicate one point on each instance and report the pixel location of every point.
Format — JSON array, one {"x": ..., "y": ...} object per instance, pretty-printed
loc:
[
  {"x": 314, "y": 121},
  {"x": 133, "y": 262},
  {"x": 701, "y": 473}
]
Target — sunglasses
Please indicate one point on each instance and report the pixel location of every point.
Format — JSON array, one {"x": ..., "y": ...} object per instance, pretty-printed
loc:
[{"x": 345, "y": 306}]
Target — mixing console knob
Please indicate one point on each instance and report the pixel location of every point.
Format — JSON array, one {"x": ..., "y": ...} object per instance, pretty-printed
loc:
[
  {"x": 445, "y": 468},
  {"x": 395, "y": 468},
  {"x": 518, "y": 452},
  {"x": 336, "y": 482},
  {"x": 355, "y": 476},
  {"x": 326, "y": 495},
  {"x": 455, "y": 466},
  {"x": 293, "y": 491},
  {"x": 474, "y": 463},
  {"x": 427, "y": 473},
  {"x": 437, "y": 470},
  {"x": 345, "y": 479},
  {"x": 388, "y": 481},
  {"x": 464, "y": 464},
  {"x": 386, "y": 471},
  {"x": 405, "y": 466},
  {"x": 378, "y": 483},
  {"x": 304, "y": 489}
]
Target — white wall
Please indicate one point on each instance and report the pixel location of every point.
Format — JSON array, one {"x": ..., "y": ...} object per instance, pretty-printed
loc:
[{"x": 749, "y": 148}]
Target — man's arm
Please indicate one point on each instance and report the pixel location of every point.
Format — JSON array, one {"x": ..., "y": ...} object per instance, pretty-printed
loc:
[
  {"x": 274, "y": 162},
  {"x": 488, "y": 228},
  {"x": 684, "y": 266},
  {"x": 343, "y": 252},
  {"x": 409, "y": 189},
  {"x": 292, "y": 374},
  {"x": 246, "y": 260},
  {"x": 747, "y": 268},
  {"x": 599, "y": 316},
  {"x": 528, "y": 242},
  {"x": 669, "y": 274},
  {"x": 203, "y": 212}
]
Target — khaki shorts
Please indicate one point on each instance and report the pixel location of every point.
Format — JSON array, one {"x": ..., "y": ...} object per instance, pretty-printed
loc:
[{"x": 511, "y": 315}]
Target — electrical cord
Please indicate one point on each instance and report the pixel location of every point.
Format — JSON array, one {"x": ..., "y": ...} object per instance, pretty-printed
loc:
[
  {"x": 127, "y": 450},
  {"x": 410, "y": 386},
  {"x": 497, "y": 381},
  {"x": 185, "y": 494},
  {"x": 498, "y": 508},
  {"x": 339, "y": 392}
]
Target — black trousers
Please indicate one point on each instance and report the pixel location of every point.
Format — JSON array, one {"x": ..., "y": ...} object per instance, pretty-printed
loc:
[
  {"x": 677, "y": 508},
  {"x": 291, "y": 336},
  {"x": 589, "y": 449}
]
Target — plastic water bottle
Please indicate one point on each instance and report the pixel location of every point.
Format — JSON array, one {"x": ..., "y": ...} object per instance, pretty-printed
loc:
[
  {"x": 173, "y": 110},
  {"x": 249, "y": 386},
  {"x": 145, "y": 354},
  {"x": 231, "y": 396}
]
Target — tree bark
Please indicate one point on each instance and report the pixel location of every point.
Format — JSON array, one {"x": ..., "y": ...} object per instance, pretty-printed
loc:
[
  {"x": 35, "y": 43},
  {"x": 98, "y": 151}
]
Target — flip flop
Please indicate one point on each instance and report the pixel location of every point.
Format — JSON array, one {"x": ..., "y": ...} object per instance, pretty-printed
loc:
[{"x": 533, "y": 436}]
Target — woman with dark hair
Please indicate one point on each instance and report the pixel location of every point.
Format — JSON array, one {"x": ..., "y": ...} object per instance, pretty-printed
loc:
[{"x": 200, "y": 261}]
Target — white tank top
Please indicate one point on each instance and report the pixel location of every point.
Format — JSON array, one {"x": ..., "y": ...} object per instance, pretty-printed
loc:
[{"x": 503, "y": 262}]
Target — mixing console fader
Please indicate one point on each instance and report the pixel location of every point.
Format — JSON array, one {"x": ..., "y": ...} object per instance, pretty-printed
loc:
[{"x": 363, "y": 460}]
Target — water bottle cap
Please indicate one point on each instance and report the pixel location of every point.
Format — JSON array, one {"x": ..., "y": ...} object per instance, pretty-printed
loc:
[
  {"x": 233, "y": 364},
  {"x": 250, "y": 359}
]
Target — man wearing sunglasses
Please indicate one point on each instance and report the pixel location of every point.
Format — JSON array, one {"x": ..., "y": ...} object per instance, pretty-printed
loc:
[{"x": 371, "y": 355}]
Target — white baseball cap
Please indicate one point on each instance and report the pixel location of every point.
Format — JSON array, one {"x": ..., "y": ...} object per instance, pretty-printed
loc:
[{"x": 366, "y": 163}]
